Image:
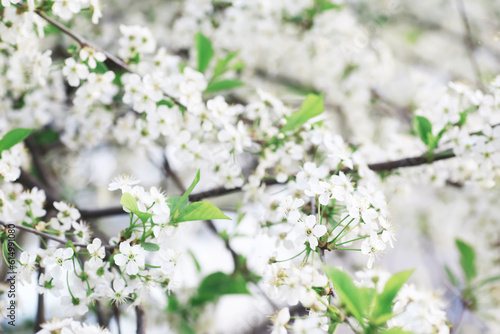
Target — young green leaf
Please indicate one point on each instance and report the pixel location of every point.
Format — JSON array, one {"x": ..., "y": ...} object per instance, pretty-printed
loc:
[
  {"x": 423, "y": 128},
  {"x": 467, "y": 259},
  {"x": 128, "y": 201},
  {"x": 12, "y": 138},
  {"x": 434, "y": 141},
  {"x": 487, "y": 281},
  {"x": 216, "y": 86},
  {"x": 349, "y": 294},
  {"x": 150, "y": 247},
  {"x": 451, "y": 276},
  {"x": 205, "y": 51},
  {"x": 383, "y": 303},
  {"x": 200, "y": 211},
  {"x": 185, "y": 196},
  {"x": 222, "y": 64},
  {"x": 218, "y": 284},
  {"x": 465, "y": 113},
  {"x": 311, "y": 107},
  {"x": 175, "y": 201}
]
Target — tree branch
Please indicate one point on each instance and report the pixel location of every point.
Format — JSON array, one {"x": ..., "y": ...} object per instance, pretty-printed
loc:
[
  {"x": 469, "y": 42},
  {"x": 140, "y": 319},
  {"x": 221, "y": 191},
  {"x": 50, "y": 236},
  {"x": 83, "y": 42}
]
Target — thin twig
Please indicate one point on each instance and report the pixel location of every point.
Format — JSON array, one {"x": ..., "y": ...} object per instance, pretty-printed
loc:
[
  {"x": 83, "y": 42},
  {"x": 469, "y": 42},
  {"x": 221, "y": 191},
  {"x": 50, "y": 236},
  {"x": 170, "y": 173},
  {"x": 41, "y": 168}
]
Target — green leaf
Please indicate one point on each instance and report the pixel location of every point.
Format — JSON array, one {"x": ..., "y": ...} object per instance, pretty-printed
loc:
[
  {"x": 218, "y": 284},
  {"x": 205, "y": 51},
  {"x": 349, "y": 294},
  {"x": 222, "y": 64},
  {"x": 100, "y": 68},
  {"x": 434, "y": 141},
  {"x": 451, "y": 276},
  {"x": 72, "y": 48},
  {"x": 465, "y": 113},
  {"x": 195, "y": 260},
  {"x": 333, "y": 327},
  {"x": 311, "y": 107},
  {"x": 200, "y": 211},
  {"x": 423, "y": 128},
  {"x": 45, "y": 136},
  {"x": 150, "y": 247},
  {"x": 384, "y": 301},
  {"x": 167, "y": 103},
  {"x": 185, "y": 196},
  {"x": 12, "y": 138},
  {"x": 223, "y": 85},
  {"x": 175, "y": 201},
  {"x": 130, "y": 203},
  {"x": 325, "y": 5},
  {"x": 366, "y": 298},
  {"x": 467, "y": 259},
  {"x": 487, "y": 281}
]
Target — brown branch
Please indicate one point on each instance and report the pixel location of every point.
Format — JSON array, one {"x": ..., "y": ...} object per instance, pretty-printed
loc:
[
  {"x": 141, "y": 319},
  {"x": 221, "y": 191},
  {"x": 50, "y": 236},
  {"x": 83, "y": 42},
  {"x": 170, "y": 173},
  {"x": 30, "y": 182},
  {"x": 41, "y": 168}
]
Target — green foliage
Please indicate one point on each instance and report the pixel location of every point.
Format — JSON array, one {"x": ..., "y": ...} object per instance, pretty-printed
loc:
[
  {"x": 129, "y": 202},
  {"x": 467, "y": 259},
  {"x": 222, "y": 65},
  {"x": 349, "y": 294},
  {"x": 324, "y": 5},
  {"x": 45, "y": 136},
  {"x": 100, "y": 68},
  {"x": 205, "y": 51},
  {"x": 465, "y": 113},
  {"x": 177, "y": 203},
  {"x": 200, "y": 211},
  {"x": 423, "y": 128},
  {"x": 218, "y": 284},
  {"x": 311, "y": 107},
  {"x": 384, "y": 300},
  {"x": 180, "y": 211},
  {"x": 215, "y": 86},
  {"x": 150, "y": 247},
  {"x": 371, "y": 309},
  {"x": 13, "y": 137},
  {"x": 72, "y": 49},
  {"x": 453, "y": 279}
]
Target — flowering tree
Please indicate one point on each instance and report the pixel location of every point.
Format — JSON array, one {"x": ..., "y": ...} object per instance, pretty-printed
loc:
[{"x": 270, "y": 137}]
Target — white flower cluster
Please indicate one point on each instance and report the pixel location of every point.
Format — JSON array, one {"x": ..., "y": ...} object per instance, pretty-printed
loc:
[
  {"x": 471, "y": 119},
  {"x": 295, "y": 284},
  {"x": 419, "y": 311},
  {"x": 68, "y": 325},
  {"x": 66, "y": 9}
]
